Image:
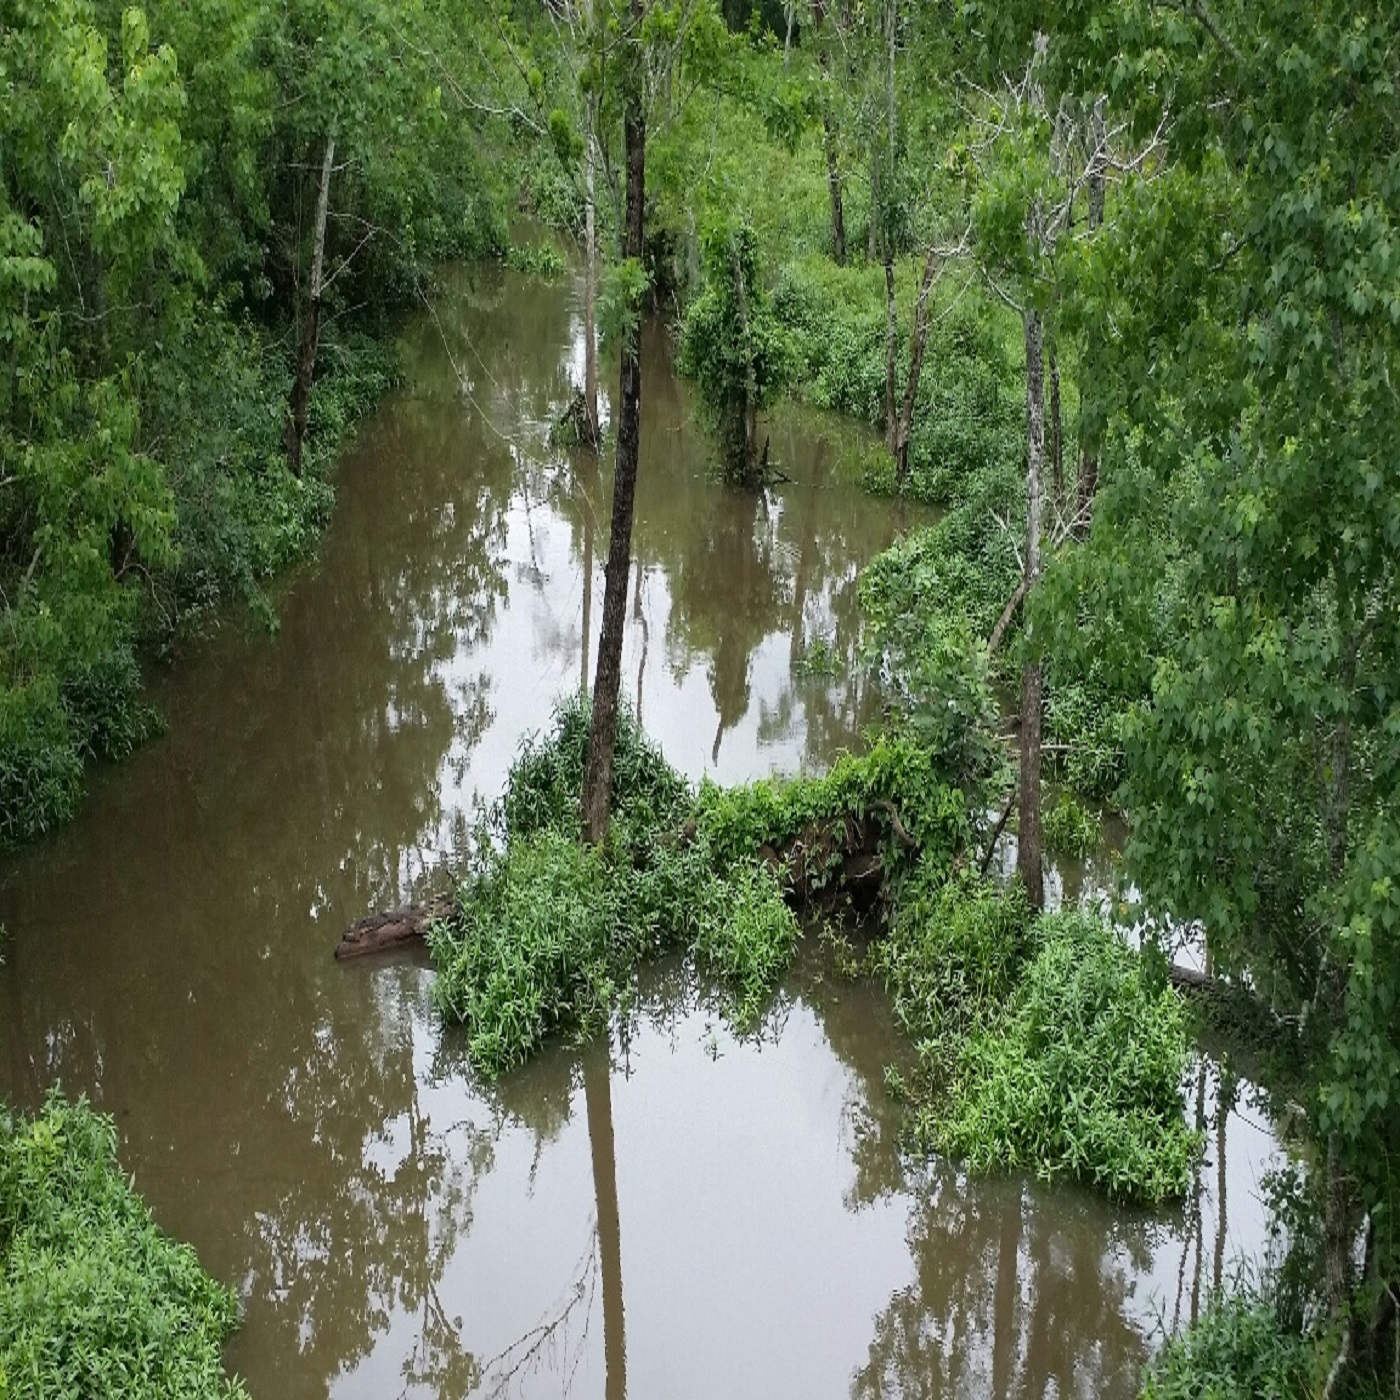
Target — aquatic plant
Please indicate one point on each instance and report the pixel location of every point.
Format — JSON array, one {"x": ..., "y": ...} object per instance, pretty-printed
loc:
[
  {"x": 1070, "y": 828},
  {"x": 549, "y": 933},
  {"x": 1081, "y": 1076},
  {"x": 94, "y": 1300}
]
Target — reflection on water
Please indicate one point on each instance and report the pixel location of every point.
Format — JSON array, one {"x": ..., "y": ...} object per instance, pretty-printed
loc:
[{"x": 686, "y": 1215}]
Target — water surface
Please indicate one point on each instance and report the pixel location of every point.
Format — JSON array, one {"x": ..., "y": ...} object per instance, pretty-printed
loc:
[{"x": 688, "y": 1215}]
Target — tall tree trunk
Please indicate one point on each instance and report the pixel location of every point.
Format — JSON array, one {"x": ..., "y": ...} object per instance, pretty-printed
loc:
[
  {"x": 1028, "y": 857},
  {"x": 590, "y": 276},
  {"x": 597, "y": 1094},
  {"x": 872, "y": 234},
  {"x": 745, "y": 472},
  {"x": 1057, "y": 440},
  {"x": 891, "y": 350},
  {"x": 833, "y": 163},
  {"x": 597, "y": 780},
  {"x": 1089, "y": 440},
  {"x": 918, "y": 342},
  {"x": 311, "y": 328}
]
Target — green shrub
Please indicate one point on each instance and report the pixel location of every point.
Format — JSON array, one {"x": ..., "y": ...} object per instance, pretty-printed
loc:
[
  {"x": 1082, "y": 1076},
  {"x": 952, "y": 958},
  {"x": 1237, "y": 1350},
  {"x": 548, "y": 933},
  {"x": 41, "y": 770},
  {"x": 545, "y": 785},
  {"x": 896, "y": 777},
  {"x": 1070, "y": 828},
  {"x": 94, "y": 1300}
]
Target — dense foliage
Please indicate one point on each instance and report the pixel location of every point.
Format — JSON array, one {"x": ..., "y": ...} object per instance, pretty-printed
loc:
[
  {"x": 549, "y": 933},
  {"x": 94, "y": 1300},
  {"x": 158, "y": 169}
]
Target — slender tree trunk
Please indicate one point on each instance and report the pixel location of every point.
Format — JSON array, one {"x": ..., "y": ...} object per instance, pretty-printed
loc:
[
  {"x": 1057, "y": 441},
  {"x": 918, "y": 342},
  {"x": 1088, "y": 440},
  {"x": 747, "y": 473},
  {"x": 891, "y": 351},
  {"x": 597, "y": 781},
  {"x": 1028, "y": 858},
  {"x": 833, "y": 163},
  {"x": 590, "y": 276},
  {"x": 311, "y": 329},
  {"x": 597, "y": 1094},
  {"x": 872, "y": 235}
]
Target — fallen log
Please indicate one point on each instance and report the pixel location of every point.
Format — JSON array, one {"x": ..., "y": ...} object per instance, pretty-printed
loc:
[
  {"x": 397, "y": 928},
  {"x": 1187, "y": 979}
]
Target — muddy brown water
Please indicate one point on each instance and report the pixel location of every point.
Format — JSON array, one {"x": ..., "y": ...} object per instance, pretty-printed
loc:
[{"x": 693, "y": 1215}]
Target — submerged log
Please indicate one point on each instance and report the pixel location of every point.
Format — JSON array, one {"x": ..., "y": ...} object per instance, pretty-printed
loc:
[{"x": 398, "y": 928}]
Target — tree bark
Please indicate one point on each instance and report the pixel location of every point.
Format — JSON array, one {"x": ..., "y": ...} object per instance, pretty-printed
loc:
[
  {"x": 1088, "y": 440},
  {"x": 1028, "y": 857},
  {"x": 891, "y": 350},
  {"x": 590, "y": 277},
  {"x": 597, "y": 780},
  {"x": 311, "y": 328},
  {"x": 1057, "y": 441},
  {"x": 748, "y": 467},
  {"x": 833, "y": 164},
  {"x": 918, "y": 342}
]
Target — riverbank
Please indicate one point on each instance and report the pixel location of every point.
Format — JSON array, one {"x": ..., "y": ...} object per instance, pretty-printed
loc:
[{"x": 311, "y": 1128}]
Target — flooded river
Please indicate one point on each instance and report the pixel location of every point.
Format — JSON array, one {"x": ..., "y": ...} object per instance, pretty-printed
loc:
[{"x": 690, "y": 1216}]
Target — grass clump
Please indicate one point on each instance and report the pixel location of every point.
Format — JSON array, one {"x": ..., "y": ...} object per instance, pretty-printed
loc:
[
  {"x": 953, "y": 956},
  {"x": 549, "y": 933},
  {"x": 1070, "y": 828},
  {"x": 1238, "y": 1350},
  {"x": 1081, "y": 1076},
  {"x": 94, "y": 1300}
]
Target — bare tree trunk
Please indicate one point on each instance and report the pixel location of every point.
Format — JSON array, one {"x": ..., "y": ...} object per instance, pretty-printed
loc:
[
  {"x": 891, "y": 350},
  {"x": 1088, "y": 441},
  {"x": 748, "y": 473},
  {"x": 1057, "y": 441},
  {"x": 833, "y": 164},
  {"x": 872, "y": 236},
  {"x": 597, "y": 1094},
  {"x": 590, "y": 276},
  {"x": 597, "y": 780},
  {"x": 918, "y": 342},
  {"x": 311, "y": 328},
  {"x": 1028, "y": 856}
]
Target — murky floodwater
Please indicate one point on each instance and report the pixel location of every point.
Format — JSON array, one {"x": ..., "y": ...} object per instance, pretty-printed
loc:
[{"x": 704, "y": 1218}]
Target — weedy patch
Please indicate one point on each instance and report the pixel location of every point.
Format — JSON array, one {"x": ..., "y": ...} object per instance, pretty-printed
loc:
[
  {"x": 1042, "y": 1044},
  {"x": 1080, "y": 1075},
  {"x": 94, "y": 1299}
]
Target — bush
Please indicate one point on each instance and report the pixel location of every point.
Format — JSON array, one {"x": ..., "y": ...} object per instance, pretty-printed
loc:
[
  {"x": 41, "y": 771},
  {"x": 94, "y": 1300},
  {"x": 1236, "y": 1351},
  {"x": 1082, "y": 1075},
  {"x": 952, "y": 958},
  {"x": 548, "y": 933},
  {"x": 1070, "y": 828}
]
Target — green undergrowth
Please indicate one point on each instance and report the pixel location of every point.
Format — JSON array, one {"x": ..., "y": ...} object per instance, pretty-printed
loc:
[
  {"x": 548, "y": 933},
  {"x": 71, "y": 676},
  {"x": 94, "y": 1300},
  {"x": 1043, "y": 1045},
  {"x": 1237, "y": 1350}
]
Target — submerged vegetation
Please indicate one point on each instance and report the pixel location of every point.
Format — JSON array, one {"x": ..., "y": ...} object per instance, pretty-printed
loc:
[{"x": 94, "y": 1300}]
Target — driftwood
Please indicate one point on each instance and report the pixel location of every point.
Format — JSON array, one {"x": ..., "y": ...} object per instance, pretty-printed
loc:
[
  {"x": 387, "y": 932},
  {"x": 1187, "y": 979}
]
